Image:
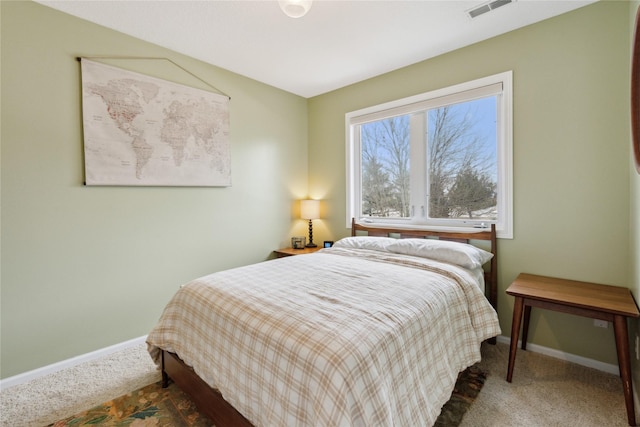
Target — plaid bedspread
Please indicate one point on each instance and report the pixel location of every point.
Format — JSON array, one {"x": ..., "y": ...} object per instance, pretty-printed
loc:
[{"x": 342, "y": 337}]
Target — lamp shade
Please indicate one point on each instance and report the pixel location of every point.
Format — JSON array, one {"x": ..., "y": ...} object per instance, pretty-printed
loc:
[
  {"x": 310, "y": 209},
  {"x": 295, "y": 8}
]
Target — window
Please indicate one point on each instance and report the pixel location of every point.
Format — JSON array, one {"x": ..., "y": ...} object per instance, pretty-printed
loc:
[{"x": 439, "y": 159}]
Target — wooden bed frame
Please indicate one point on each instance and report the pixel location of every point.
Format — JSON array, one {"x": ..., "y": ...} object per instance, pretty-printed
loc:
[{"x": 211, "y": 403}]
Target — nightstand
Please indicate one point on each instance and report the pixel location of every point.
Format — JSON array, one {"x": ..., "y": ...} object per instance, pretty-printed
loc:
[
  {"x": 604, "y": 302},
  {"x": 281, "y": 253}
]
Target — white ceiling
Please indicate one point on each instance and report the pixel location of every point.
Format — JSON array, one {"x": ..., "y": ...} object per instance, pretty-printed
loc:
[{"x": 339, "y": 42}]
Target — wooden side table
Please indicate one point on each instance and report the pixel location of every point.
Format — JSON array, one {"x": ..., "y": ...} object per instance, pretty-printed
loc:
[
  {"x": 611, "y": 303},
  {"x": 281, "y": 253}
]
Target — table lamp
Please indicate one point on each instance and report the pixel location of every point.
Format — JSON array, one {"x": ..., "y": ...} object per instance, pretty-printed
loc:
[{"x": 310, "y": 209}]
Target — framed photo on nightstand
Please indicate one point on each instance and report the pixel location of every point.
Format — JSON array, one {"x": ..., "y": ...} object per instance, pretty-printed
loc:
[{"x": 328, "y": 243}]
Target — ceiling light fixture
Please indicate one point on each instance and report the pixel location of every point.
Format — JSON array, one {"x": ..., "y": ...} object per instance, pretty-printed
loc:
[{"x": 295, "y": 8}]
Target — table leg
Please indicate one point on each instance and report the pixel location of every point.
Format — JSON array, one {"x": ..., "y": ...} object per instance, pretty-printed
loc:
[
  {"x": 515, "y": 331},
  {"x": 525, "y": 326},
  {"x": 622, "y": 345}
]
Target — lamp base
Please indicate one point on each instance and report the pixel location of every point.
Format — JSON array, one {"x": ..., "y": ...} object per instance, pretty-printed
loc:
[{"x": 311, "y": 244}]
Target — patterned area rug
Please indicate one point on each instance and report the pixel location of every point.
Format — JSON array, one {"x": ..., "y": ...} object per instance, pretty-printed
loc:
[
  {"x": 154, "y": 406},
  {"x": 467, "y": 388}
]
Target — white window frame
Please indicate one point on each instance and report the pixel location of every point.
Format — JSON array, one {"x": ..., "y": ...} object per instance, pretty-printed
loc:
[{"x": 458, "y": 93}]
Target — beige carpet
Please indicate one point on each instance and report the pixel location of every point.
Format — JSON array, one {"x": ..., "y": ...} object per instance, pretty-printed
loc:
[
  {"x": 64, "y": 393},
  {"x": 544, "y": 392}
]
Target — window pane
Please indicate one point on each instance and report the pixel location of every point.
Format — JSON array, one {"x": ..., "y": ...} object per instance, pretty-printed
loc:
[
  {"x": 385, "y": 167},
  {"x": 462, "y": 159}
]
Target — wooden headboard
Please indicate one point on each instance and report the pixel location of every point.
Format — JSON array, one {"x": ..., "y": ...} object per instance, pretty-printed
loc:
[{"x": 490, "y": 274}]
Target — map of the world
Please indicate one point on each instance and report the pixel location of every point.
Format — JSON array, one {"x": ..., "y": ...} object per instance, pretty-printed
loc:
[{"x": 140, "y": 130}]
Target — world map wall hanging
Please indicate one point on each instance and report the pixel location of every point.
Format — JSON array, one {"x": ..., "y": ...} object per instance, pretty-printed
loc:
[{"x": 144, "y": 131}]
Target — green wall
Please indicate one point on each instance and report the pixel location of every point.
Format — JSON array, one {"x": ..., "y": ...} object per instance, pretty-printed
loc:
[
  {"x": 571, "y": 154},
  {"x": 88, "y": 267}
]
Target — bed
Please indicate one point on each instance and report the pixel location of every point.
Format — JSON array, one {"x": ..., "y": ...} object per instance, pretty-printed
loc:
[{"x": 370, "y": 332}]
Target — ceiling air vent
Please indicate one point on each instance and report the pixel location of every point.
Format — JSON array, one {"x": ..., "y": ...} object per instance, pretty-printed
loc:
[{"x": 487, "y": 7}]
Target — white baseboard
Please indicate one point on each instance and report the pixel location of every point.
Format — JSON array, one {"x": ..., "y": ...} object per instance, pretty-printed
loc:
[
  {"x": 74, "y": 361},
  {"x": 590, "y": 363}
]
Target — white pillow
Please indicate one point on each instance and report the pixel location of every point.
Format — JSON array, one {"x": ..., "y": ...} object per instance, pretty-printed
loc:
[
  {"x": 372, "y": 243},
  {"x": 462, "y": 254}
]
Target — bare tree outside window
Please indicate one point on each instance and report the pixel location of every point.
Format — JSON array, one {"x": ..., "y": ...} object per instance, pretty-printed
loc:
[
  {"x": 461, "y": 163},
  {"x": 385, "y": 167},
  {"x": 462, "y": 160}
]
